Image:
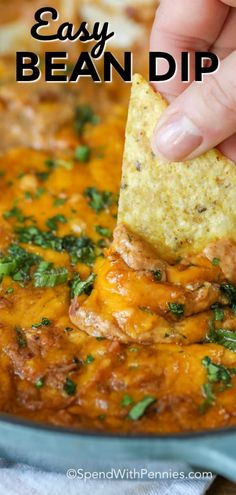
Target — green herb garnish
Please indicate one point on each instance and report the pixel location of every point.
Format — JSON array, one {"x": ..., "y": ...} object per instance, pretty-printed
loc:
[
  {"x": 69, "y": 387},
  {"x": 176, "y": 309},
  {"x": 147, "y": 310},
  {"x": 98, "y": 200},
  {"x": 222, "y": 336},
  {"x": 39, "y": 383},
  {"x": 39, "y": 192},
  {"x": 27, "y": 195},
  {"x": 8, "y": 266},
  {"x": 215, "y": 261},
  {"x": 52, "y": 164},
  {"x": 218, "y": 312},
  {"x": 103, "y": 231},
  {"x": 24, "y": 262},
  {"x": 138, "y": 410},
  {"x": 16, "y": 213},
  {"x": 49, "y": 277},
  {"x": 10, "y": 290},
  {"x": 126, "y": 401},
  {"x": 33, "y": 235},
  {"x": 84, "y": 115},
  {"x": 101, "y": 417},
  {"x": 43, "y": 176},
  {"x": 59, "y": 201},
  {"x": 229, "y": 291},
  {"x": 20, "y": 338},
  {"x": 216, "y": 374},
  {"x": 89, "y": 359},
  {"x": 157, "y": 275},
  {"x": 79, "y": 248},
  {"x": 82, "y": 153},
  {"x": 52, "y": 223},
  {"x": 209, "y": 397},
  {"x": 102, "y": 243},
  {"x": 79, "y": 286},
  {"x": 45, "y": 322}
]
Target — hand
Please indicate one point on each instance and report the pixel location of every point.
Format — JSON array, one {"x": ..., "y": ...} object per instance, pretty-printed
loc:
[{"x": 200, "y": 115}]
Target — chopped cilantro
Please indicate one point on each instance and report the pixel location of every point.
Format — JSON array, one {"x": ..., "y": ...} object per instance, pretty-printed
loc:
[
  {"x": 229, "y": 291},
  {"x": 157, "y": 275},
  {"x": 33, "y": 235},
  {"x": 98, "y": 200},
  {"x": 69, "y": 387},
  {"x": 15, "y": 212},
  {"x": 52, "y": 164},
  {"x": 215, "y": 261},
  {"x": 84, "y": 115},
  {"x": 52, "y": 223},
  {"x": 39, "y": 192},
  {"x": 82, "y": 153},
  {"x": 18, "y": 264},
  {"x": 147, "y": 310},
  {"x": 8, "y": 266},
  {"x": 20, "y": 338},
  {"x": 79, "y": 248},
  {"x": 218, "y": 312},
  {"x": 101, "y": 417},
  {"x": 24, "y": 262},
  {"x": 222, "y": 336},
  {"x": 126, "y": 401},
  {"x": 45, "y": 322},
  {"x": 50, "y": 276},
  {"x": 43, "y": 176},
  {"x": 176, "y": 309},
  {"x": 102, "y": 243},
  {"x": 216, "y": 374},
  {"x": 68, "y": 329},
  {"x": 138, "y": 410},
  {"x": 79, "y": 286},
  {"x": 59, "y": 201},
  {"x": 9, "y": 290},
  {"x": 89, "y": 359},
  {"x": 209, "y": 396},
  {"x": 103, "y": 231},
  {"x": 39, "y": 383},
  {"x": 27, "y": 195},
  {"x": 20, "y": 175}
]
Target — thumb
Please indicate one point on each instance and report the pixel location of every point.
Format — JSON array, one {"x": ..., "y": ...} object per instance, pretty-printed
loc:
[{"x": 200, "y": 118}]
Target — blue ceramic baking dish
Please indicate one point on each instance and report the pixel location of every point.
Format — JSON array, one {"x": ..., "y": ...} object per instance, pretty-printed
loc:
[{"x": 58, "y": 448}]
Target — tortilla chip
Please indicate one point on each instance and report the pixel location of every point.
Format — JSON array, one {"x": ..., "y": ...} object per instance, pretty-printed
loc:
[{"x": 179, "y": 208}]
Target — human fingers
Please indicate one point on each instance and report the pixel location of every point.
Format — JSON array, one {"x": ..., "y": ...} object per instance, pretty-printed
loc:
[
  {"x": 201, "y": 117},
  {"x": 180, "y": 27}
]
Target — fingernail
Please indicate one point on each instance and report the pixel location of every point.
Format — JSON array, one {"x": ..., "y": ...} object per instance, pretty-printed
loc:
[{"x": 176, "y": 138}]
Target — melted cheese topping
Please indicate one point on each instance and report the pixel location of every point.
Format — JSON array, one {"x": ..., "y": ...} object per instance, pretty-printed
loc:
[{"x": 143, "y": 303}]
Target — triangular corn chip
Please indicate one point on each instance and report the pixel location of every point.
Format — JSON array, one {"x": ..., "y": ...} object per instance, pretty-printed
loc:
[{"x": 179, "y": 208}]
